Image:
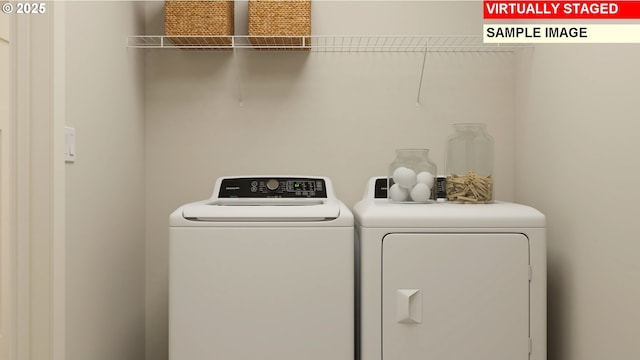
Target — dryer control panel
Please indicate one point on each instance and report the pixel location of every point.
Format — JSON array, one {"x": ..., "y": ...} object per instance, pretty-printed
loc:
[
  {"x": 380, "y": 190},
  {"x": 273, "y": 187}
]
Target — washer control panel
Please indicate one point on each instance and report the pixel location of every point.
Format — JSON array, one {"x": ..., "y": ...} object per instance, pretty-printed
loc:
[{"x": 273, "y": 187}]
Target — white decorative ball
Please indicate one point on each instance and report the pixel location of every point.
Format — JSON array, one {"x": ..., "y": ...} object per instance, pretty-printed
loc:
[
  {"x": 397, "y": 193},
  {"x": 420, "y": 192},
  {"x": 425, "y": 177},
  {"x": 404, "y": 177}
]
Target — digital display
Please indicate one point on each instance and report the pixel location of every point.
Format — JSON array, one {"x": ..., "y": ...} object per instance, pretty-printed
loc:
[{"x": 301, "y": 186}]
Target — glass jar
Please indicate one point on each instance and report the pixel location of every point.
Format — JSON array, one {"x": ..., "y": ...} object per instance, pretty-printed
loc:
[
  {"x": 469, "y": 164},
  {"x": 412, "y": 177}
]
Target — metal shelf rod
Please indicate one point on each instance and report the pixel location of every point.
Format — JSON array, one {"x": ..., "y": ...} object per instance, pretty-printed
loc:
[{"x": 326, "y": 43}]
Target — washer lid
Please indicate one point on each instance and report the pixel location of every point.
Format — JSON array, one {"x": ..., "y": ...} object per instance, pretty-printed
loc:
[{"x": 260, "y": 210}]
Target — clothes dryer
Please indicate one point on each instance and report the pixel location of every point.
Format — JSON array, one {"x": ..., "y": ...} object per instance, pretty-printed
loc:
[{"x": 449, "y": 281}]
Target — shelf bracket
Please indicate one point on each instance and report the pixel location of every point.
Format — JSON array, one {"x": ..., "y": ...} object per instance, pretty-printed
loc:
[
  {"x": 237, "y": 71},
  {"x": 424, "y": 61}
]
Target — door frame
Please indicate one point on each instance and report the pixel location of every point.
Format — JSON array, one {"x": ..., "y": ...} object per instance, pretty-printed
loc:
[
  {"x": 37, "y": 122},
  {"x": 7, "y": 288}
]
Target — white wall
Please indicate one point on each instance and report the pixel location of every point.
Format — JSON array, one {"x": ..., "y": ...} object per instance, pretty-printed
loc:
[
  {"x": 577, "y": 139},
  {"x": 105, "y": 186},
  {"x": 335, "y": 114}
]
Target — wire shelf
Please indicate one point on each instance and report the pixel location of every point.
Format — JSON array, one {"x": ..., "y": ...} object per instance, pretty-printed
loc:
[
  {"x": 324, "y": 43},
  {"x": 327, "y": 43}
]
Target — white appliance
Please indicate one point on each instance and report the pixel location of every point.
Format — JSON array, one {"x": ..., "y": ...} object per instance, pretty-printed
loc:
[
  {"x": 450, "y": 281},
  {"x": 262, "y": 270}
]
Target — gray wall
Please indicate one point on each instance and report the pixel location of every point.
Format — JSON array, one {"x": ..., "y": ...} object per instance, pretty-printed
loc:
[
  {"x": 563, "y": 116},
  {"x": 577, "y": 133},
  {"x": 105, "y": 186}
]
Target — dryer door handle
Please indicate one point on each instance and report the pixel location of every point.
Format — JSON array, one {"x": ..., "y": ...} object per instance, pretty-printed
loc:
[{"x": 409, "y": 306}]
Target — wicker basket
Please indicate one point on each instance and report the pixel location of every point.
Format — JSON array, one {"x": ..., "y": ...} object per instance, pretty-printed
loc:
[
  {"x": 197, "y": 19},
  {"x": 280, "y": 24}
]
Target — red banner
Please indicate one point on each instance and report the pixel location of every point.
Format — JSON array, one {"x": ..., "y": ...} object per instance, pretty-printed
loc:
[{"x": 561, "y": 9}]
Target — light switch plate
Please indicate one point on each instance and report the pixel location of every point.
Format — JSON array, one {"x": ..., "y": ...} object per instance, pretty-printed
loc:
[{"x": 69, "y": 144}]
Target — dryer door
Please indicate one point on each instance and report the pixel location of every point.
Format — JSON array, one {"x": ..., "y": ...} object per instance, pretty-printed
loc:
[{"x": 455, "y": 296}]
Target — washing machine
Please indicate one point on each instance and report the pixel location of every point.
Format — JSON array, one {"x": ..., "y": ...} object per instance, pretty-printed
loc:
[
  {"x": 449, "y": 281},
  {"x": 264, "y": 269}
]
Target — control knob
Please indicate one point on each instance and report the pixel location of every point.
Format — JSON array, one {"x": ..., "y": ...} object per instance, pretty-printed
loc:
[{"x": 273, "y": 184}]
